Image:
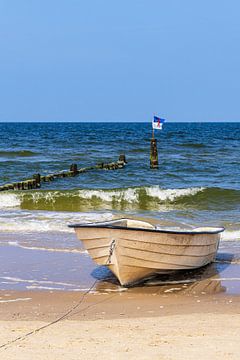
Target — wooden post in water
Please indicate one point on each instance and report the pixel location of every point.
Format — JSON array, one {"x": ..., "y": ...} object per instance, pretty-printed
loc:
[
  {"x": 74, "y": 169},
  {"x": 122, "y": 158},
  {"x": 37, "y": 178},
  {"x": 153, "y": 153}
]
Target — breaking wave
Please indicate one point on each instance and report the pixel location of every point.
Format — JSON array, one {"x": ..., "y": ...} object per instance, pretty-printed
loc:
[
  {"x": 79, "y": 199},
  {"x": 135, "y": 198},
  {"x": 52, "y": 210},
  {"x": 9, "y": 201},
  {"x": 231, "y": 235},
  {"x": 24, "y": 221}
]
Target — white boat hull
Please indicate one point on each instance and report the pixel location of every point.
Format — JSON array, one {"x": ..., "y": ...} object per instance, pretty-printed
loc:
[{"x": 134, "y": 254}]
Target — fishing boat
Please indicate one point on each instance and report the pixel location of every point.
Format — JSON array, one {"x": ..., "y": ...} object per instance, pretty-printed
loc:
[{"x": 134, "y": 250}]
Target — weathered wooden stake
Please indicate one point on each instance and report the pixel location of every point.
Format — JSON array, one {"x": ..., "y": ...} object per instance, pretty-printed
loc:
[
  {"x": 74, "y": 169},
  {"x": 100, "y": 165},
  {"x": 122, "y": 158},
  {"x": 37, "y": 177},
  {"x": 153, "y": 154}
]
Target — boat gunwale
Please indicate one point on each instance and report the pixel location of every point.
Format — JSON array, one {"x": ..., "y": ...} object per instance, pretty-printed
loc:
[{"x": 100, "y": 225}]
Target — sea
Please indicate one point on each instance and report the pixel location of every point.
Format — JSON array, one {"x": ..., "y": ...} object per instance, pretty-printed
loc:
[{"x": 196, "y": 184}]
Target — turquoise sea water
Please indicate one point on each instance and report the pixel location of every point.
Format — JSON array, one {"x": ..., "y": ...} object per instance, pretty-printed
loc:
[{"x": 197, "y": 183}]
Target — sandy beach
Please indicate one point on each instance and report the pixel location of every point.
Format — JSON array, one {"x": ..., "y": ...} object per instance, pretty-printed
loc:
[
  {"x": 191, "y": 315},
  {"x": 120, "y": 326}
]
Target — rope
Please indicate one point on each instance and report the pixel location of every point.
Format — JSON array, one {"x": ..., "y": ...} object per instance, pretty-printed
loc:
[{"x": 67, "y": 313}]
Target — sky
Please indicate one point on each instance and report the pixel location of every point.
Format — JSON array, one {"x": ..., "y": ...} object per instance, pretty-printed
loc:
[{"x": 109, "y": 60}]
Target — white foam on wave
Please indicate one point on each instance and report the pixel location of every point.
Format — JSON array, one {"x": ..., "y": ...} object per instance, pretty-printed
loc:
[
  {"x": 11, "y": 243},
  {"x": 132, "y": 195},
  {"x": 15, "y": 300},
  {"x": 38, "y": 248},
  {"x": 34, "y": 287},
  {"x": 35, "y": 281},
  {"x": 48, "y": 196},
  {"x": 230, "y": 235},
  {"x": 9, "y": 201},
  {"x": 171, "y": 194},
  {"x": 46, "y": 221},
  {"x": 43, "y": 285},
  {"x": 129, "y": 195}
]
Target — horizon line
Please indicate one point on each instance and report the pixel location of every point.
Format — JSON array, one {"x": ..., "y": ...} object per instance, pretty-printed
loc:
[{"x": 114, "y": 122}]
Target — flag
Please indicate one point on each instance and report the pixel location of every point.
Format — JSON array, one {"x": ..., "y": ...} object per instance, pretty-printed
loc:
[{"x": 157, "y": 123}]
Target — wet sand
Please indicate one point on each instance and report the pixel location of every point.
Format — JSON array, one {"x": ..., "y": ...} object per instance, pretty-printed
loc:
[
  {"x": 47, "y": 306},
  {"x": 58, "y": 262},
  {"x": 194, "y": 314}
]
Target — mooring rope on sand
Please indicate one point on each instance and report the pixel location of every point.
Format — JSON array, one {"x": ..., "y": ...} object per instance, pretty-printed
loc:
[{"x": 67, "y": 313}]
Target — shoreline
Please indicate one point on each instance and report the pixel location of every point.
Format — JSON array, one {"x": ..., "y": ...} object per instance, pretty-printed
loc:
[
  {"x": 49, "y": 305},
  {"x": 61, "y": 264}
]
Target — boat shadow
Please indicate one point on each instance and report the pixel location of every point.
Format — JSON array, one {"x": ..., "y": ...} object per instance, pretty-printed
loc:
[{"x": 204, "y": 280}]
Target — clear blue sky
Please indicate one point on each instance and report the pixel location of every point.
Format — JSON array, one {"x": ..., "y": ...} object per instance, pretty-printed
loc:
[{"x": 107, "y": 60}]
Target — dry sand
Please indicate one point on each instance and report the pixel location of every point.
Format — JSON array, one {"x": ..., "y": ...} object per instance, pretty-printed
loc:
[
  {"x": 121, "y": 326},
  {"x": 192, "y": 336}
]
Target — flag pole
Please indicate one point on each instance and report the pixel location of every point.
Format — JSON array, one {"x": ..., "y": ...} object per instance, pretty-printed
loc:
[{"x": 152, "y": 133}]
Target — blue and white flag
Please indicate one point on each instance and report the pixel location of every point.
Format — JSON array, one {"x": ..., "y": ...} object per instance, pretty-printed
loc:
[{"x": 157, "y": 123}]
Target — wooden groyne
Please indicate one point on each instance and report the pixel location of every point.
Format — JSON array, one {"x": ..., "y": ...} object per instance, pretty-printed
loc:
[{"x": 37, "y": 179}]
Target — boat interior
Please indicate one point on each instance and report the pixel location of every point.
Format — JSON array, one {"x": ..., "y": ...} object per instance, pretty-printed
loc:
[{"x": 138, "y": 224}]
